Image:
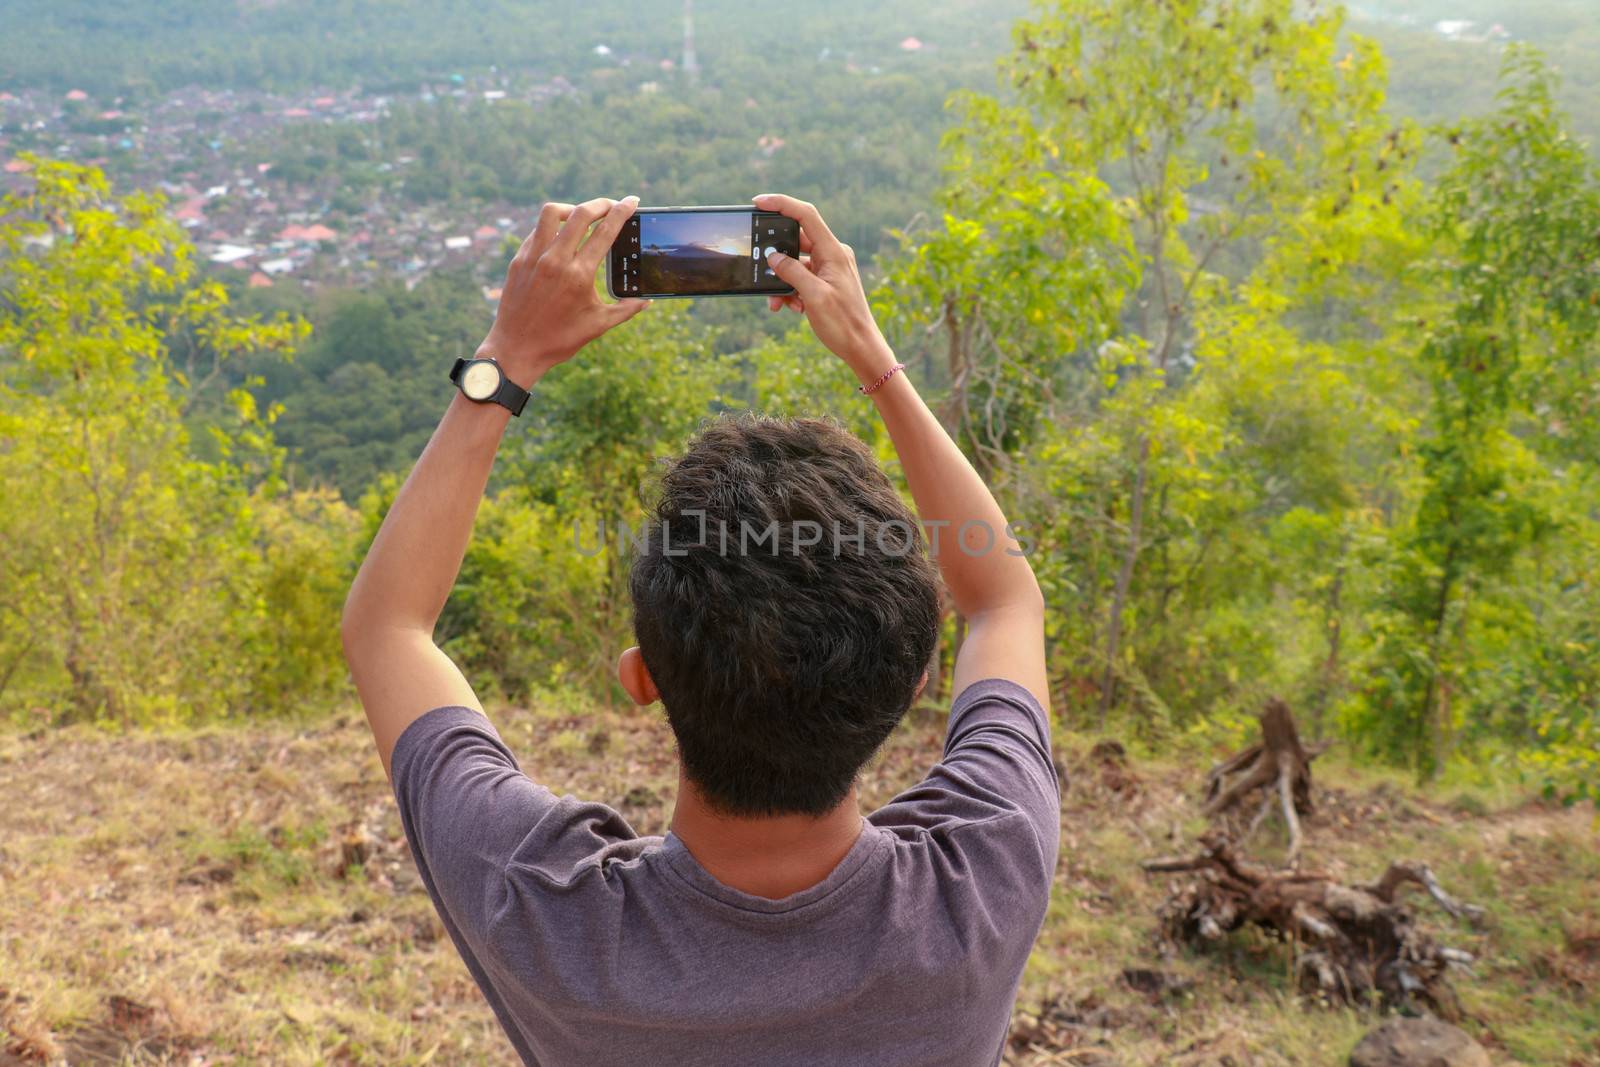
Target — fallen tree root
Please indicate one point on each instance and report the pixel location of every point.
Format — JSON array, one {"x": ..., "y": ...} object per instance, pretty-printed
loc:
[
  {"x": 1353, "y": 943},
  {"x": 1279, "y": 767}
]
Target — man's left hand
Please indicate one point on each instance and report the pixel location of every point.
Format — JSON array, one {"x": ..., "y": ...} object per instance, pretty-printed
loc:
[{"x": 549, "y": 307}]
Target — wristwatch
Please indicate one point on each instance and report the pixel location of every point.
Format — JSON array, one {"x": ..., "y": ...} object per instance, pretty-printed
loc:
[{"x": 482, "y": 381}]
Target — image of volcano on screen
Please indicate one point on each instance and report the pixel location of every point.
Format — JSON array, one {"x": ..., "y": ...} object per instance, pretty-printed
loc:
[{"x": 694, "y": 252}]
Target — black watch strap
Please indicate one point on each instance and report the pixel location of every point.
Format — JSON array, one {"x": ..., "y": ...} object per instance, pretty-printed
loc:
[{"x": 510, "y": 395}]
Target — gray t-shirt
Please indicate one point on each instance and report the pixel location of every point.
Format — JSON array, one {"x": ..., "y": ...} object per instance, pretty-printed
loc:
[{"x": 596, "y": 946}]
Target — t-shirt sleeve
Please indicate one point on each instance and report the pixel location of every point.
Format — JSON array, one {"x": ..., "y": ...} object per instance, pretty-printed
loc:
[
  {"x": 996, "y": 765},
  {"x": 469, "y": 813}
]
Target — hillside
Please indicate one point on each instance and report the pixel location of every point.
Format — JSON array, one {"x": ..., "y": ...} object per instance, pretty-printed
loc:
[
  {"x": 244, "y": 896},
  {"x": 147, "y": 44},
  {"x": 1444, "y": 54}
]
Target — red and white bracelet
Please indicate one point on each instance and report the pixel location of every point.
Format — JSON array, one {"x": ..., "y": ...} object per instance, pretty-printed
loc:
[{"x": 868, "y": 390}]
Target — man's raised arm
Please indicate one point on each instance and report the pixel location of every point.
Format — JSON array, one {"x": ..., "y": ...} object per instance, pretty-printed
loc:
[
  {"x": 548, "y": 310},
  {"x": 991, "y": 583}
]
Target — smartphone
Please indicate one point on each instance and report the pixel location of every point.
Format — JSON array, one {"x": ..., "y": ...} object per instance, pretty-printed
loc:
[{"x": 700, "y": 251}]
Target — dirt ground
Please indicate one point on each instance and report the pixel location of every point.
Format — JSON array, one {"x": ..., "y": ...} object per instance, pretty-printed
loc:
[{"x": 244, "y": 895}]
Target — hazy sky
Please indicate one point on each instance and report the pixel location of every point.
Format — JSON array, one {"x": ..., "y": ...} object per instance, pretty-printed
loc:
[{"x": 723, "y": 231}]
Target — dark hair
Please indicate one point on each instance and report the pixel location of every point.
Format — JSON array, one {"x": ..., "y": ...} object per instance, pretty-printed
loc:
[{"x": 783, "y": 664}]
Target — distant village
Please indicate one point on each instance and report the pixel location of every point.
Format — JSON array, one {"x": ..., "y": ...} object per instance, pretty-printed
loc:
[
  {"x": 204, "y": 149},
  {"x": 1465, "y": 31},
  {"x": 194, "y": 146}
]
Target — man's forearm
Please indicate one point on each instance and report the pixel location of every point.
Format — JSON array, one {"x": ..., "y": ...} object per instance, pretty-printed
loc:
[
  {"x": 981, "y": 563},
  {"x": 548, "y": 310},
  {"x": 413, "y": 562}
]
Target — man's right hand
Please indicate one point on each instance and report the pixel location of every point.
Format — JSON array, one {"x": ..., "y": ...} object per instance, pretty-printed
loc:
[{"x": 827, "y": 288}]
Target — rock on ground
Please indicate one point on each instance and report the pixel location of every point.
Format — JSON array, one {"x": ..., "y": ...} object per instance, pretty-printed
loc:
[{"x": 1418, "y": 1043}]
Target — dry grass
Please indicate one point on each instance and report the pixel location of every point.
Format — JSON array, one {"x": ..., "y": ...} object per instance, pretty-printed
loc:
[
  {"x": 244, "y": 895},
  {"x": 1532, "y": 867}
]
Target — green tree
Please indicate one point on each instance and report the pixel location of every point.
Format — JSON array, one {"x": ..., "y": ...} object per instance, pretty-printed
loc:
[
  {"x": 1110, "y": 238},
  {"x": 131, "y": 568},
  {"x": 362, "y": 395},
  {"x": 1515, "y": 229}
]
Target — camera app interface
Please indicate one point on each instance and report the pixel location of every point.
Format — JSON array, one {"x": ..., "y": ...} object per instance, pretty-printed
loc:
[{"x": 688, "y": 252}]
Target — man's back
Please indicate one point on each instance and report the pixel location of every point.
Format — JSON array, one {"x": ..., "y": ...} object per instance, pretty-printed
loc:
[{"x": 596, "y": 946}]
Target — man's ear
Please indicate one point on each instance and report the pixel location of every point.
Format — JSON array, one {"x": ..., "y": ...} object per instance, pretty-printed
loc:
[
  {"x": 921, "y": 685},
  {"x": 635, "y": 678}
]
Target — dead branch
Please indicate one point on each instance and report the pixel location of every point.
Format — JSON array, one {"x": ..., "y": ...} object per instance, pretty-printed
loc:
[
  {"x": 1401, "y": 874},
  {"x": 1285, "y": 786},
  {"x": 1354, "y": 943}
]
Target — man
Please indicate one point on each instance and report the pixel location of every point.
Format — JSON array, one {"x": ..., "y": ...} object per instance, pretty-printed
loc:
[{"x": 773, "y": 924}]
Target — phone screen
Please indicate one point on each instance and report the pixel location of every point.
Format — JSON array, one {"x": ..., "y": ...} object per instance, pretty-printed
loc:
[{"x": 700, "y": 252}]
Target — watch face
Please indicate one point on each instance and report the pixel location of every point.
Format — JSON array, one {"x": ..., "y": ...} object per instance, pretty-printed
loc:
[{"x": 480, "y": 379}]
